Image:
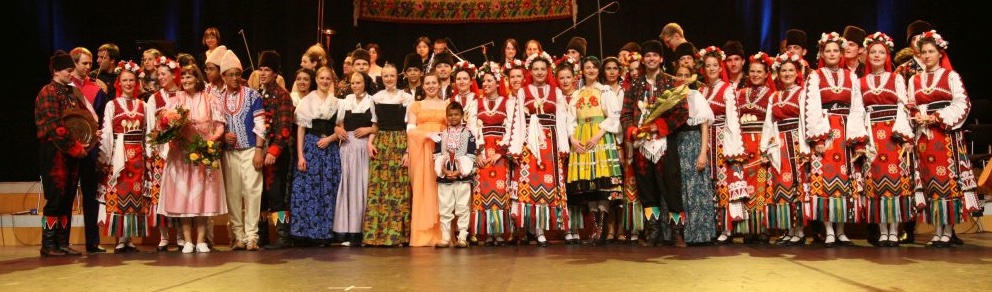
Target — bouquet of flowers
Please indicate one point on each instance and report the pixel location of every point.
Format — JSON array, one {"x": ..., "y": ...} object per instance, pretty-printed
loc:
[
  {"x": 668, "y": 99},
  {"x": 200, "y": 151},
  {"x": 170, "y": 124}
]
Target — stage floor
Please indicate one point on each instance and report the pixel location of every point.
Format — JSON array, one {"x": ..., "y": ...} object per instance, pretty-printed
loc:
[{"x": 734, "y": 267}]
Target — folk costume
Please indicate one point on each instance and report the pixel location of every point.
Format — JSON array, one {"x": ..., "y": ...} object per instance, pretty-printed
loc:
[
  {"x": 315, "y": 189},
  {"x": 387, "y": 213}
]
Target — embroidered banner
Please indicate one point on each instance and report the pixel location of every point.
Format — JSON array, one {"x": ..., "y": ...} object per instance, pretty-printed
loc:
[{"x": 462, "y": 11}]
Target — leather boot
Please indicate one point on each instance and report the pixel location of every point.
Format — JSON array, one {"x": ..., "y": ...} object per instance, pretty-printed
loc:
[
  {"x": 263, "y": 232},
  {"x": 597, "y": 229},
  {"x": 282, "y": 237},
  {"x": 652, "y": 232},
  {"x": 872, "y": 234},
  {"x": 63, "y": 239},
  {"x": 601, "y": 224},
  {"x": 49, "y": 237},
  {"x": 677, "y": 234}
]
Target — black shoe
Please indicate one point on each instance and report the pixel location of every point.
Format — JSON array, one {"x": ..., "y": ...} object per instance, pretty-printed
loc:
[
  {"x": 955, "y": 240},
  {"x": 830, "y": 244},
  {"x": 844, "y": 242},
  {"x": 543, "y": 243},
  {"x": 726, "y": 241},
  {"x": 95, "y": 249},
  {"x": 800, "y": 242}
]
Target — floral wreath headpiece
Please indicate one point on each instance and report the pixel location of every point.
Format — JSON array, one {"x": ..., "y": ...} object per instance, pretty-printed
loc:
[
  {"x": 831, "y": 37},
  {"x": 513, "y": 64},
  {"x": 466, "y": 66},
  {"x": 712, "y": 51},
  {"x": 491, "y": 68},
  {"x": 937, "y": 39},
  {"x": 544, "y": 56},
  {"x": 763, "y": 58},
  {"x": 879, "y": 37},
  {"x": 632, "y": 57},
  {"x": 786, "y": 57},
  {"x": 165, "y": 61},
  {"x": 129, "y": 66}
]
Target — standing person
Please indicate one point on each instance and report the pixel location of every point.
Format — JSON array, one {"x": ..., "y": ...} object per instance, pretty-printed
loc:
[
  {"x": 594, "y": 173},
  {"x": 796, "y": 43},
  {"x": 211, "y": 40},
  {"x": 854, "y": 51},
  {"x": 356, "y": 129},
  {"x": 361, "y": 62},
  {"x": 244, "y": 154},
  {"x": 672, "y": 36},
  {"x": 314, "y": 57},
  {"x": 59, "y": 154},
  {"x": 540, "y": 143},
  {"x": 533, "y": 47},
  {"x": 693, "y": 147},
  {"x": 422, "y": 47},
  {"x": 491, "y": 201},
  {"x": 565, "y": 75},
  {"x": 658, "y": 180},
  {"x": 939, "y": 105},
  {"x": 443, "y": 64},
  {"x": 318, "y": 164},
  {"x": 193, "y": 191},
  {"x": 915, "y": 64},
  {"x": 424, "y": 118},
  {"x": 625, "y": 220},
  {"x": 149, "y": 83},
  {"x": 279, "y": 150},
  {"x": 211, "y": 70},
  {"x": 413, "y": 72},
  {"x": 835, "y": 125},
  {"x": 515, "y": 79},
  {"x": 567, "y": 81},
  {"x": 626, "y": 50},
  {"x": 889, "y": 175},
  {"x": 167, "y": 74},
  {"x": 440, "y": 46},
  {"x": 784, "y": 147},
  {"x": 304, "y": 82},
  {"x": 510, "y": 48},
  {"x": 735, "y": 63},
  {"x": 454, "y": 165},
  {"x": 107, "y": 56},
  {"x": 122, "y": 149},
  {"x": 387, "y": 213},
  {"x": 752, "y": 106},
  {"x": 465, "y": 93},
  {"x": 89, "y": 176},
  {"x": 375, "y": 71}
]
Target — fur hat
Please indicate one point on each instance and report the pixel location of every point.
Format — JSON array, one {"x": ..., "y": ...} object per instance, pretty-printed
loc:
[
  {"x": 631, "y": 47},
  {"x": 915, "y": 28},
  {"x": 361, "y": 54},
  {"x": 578, "y": 44},
  {"x": 797, "y": 37},
  {"x": 733, "y": 48},
  {"x": 686, "y": 49},
  {"x": 216, "y": 56},
  {"x": 854, "y": 34},
  {"x": 413, "y": 60},
  {"x": 60, "y": 61},
  {"x": 269, "y": 59},
  {"x": 229, "y": 62},
  {"x": 652, "y": 46},
  {"x": 444, "y": 58}
]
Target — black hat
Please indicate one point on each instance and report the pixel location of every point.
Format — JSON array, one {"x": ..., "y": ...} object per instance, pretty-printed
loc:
[
  {"x": 413, "y": 60},
  {"x": 631, "y": 47},
  {"x": 444, "y": 58},
  {"x": 361, "y": 54},
  {"x": 686, "y": 49},
  {"x": 269, "y": 59},
  {"x": 795, "y": 37},
  {"x": 733, "y": 48},
  {"x": 60, "y": 61},
  {"x": 854, "y": 34},
  {"x": 917, "y": 27},
  {"x": 578, "y": 44},
  {"x": 652, "y": 46}
]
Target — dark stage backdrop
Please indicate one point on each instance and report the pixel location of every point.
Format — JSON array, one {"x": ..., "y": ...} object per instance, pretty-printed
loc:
[{"x": 43, "y": 26}]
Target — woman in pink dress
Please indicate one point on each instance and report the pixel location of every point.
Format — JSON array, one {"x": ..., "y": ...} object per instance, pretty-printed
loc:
[{"x": 194, "y": 192}]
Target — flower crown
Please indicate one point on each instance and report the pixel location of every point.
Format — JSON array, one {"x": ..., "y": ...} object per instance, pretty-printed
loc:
[
  {"x": 164, "y": 61},
  {"x": 761, "y": 57},
  {"x": 879, "y": 37},
  {"x": 129, "y": 66},
  {"x": 712, "y": 51},
  {"x": 937, "y": 39},
  {"x": 491, "y": 68},
  {"x": 544, "y": 56},
  {"x": 632, "y": 57},
  {"x": 513, "y": 64},
  {"x": 831, "y": 37},
  {"x": 785, "y": 58},
  {"x": 465, "y": 65}
]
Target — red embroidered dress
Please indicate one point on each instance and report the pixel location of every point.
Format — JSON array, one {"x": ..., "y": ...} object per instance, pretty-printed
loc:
[
  {"x": 888, "y": 175},
  {"x": 784, "y": 143},
  {"x": 751, "y": 105},
  {"x": 122, "y": 153},
  {"x": 725, "y": 142},
  {"x": 491, "y": 197}
]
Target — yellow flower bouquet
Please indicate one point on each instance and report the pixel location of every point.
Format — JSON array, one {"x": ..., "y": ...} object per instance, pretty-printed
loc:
[{"x": 203, "y": 152}]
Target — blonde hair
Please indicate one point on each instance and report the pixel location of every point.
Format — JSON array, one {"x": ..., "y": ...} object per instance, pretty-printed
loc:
[{"x": 671, "y": 29}]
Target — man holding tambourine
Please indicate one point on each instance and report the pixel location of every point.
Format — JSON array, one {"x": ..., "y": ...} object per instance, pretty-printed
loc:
[{"x": 67, "y": 129}]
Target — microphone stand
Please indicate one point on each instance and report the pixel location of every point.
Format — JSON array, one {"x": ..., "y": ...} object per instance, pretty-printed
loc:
[{"x": 599, "y": 20}]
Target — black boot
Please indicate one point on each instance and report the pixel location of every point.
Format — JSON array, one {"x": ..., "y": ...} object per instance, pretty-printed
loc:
[
  {"x": 49, "y": 238},
  {"x": 872, "y": 233},
  {"x": 356, "y": 239},
  {"x": 62, "y": 234},
  {"x": 282, "y": 237},
  {"x": 652, "y": 232},
  {"x": 263, "y": 232},
  {"x": 601, "y": 222},
  {"x": 954, "y": 238},
  {"x": 909, "y": 233},
  {"x": 597, "y": 229},
  {"x": 679, "y": 240}
]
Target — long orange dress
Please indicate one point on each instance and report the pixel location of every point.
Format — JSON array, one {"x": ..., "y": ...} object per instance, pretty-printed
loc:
[{"x": 425, "y": 229}]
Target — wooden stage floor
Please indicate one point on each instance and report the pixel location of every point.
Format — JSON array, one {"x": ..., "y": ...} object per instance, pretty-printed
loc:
[{"x": 736, "y": 267}]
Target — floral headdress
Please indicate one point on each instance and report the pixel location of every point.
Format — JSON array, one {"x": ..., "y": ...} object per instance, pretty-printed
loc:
[
  {"x": 832, "y": 37},
  {"x": 165, "y": 61},
  {"x": 787, "y": 57},
  {"x": 763, "y": 58},
  {"x": 632, "y": 57},
  {"x": 543, "y": 55},
  {"x": 712, "y": 51},
  {"x": 465, "y": 65},
  {"x": 513, "y": 64},
  {"x": 490, "y": 68},
  {"x": 937, "y": 39},
  {"x": 129, "y": 66},
  {"x": 879, "y": 37}
]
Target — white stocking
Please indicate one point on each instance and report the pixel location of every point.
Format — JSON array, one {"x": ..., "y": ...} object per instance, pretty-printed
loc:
[
  {"x": 840, "y": 232},
  {"x": 937, "y": 232},
  {"x": 893, "y": 232},
  {"x": 948, "y": 232},
  {"x": 831, "y": 236}
]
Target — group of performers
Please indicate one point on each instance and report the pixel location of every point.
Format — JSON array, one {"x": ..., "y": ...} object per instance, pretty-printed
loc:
[{"x": 663, "y": 144}]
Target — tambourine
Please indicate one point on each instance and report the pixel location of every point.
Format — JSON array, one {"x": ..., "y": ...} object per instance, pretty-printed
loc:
[{"x": 81, "y": 126}]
